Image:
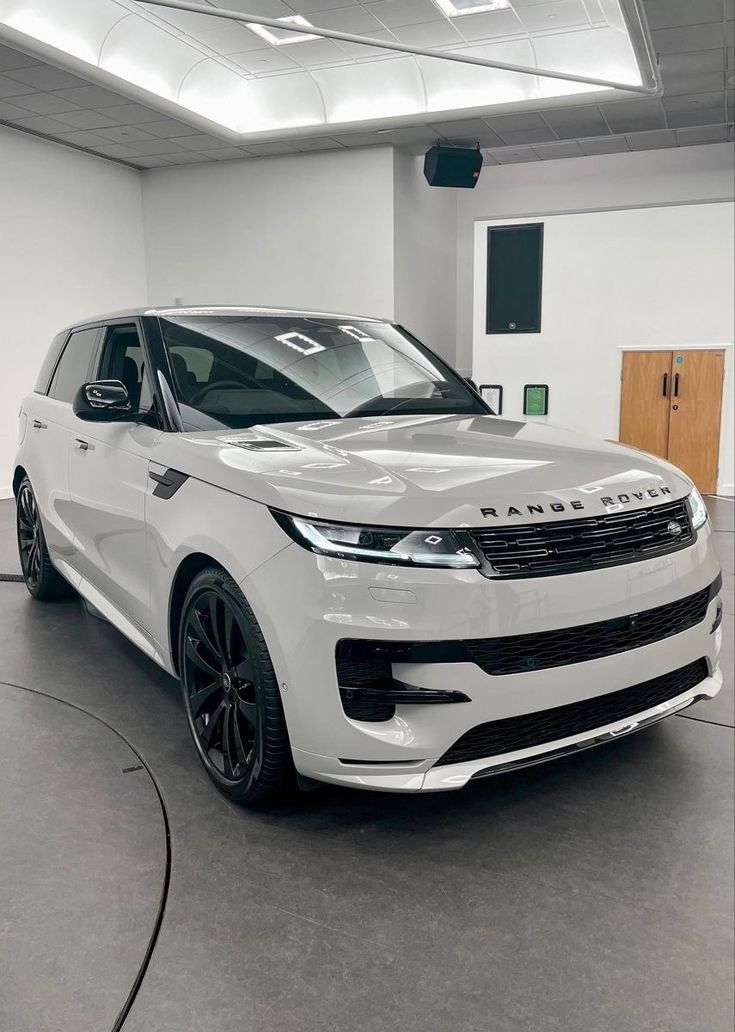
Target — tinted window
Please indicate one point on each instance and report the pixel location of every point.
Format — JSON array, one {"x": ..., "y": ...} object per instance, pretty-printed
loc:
[
  {"x": 123, "y": 359},
  {"x": 235, "y": 372},
  {"x": 72, "y": 370},
  {"x": 49, "y": 363}
]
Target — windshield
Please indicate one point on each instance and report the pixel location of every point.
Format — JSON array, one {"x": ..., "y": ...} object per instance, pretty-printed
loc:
[{"x": 236, "y": 371}]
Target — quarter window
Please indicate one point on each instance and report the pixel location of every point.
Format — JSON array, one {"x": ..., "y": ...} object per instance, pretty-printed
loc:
[{"x": 73, "y": 368}]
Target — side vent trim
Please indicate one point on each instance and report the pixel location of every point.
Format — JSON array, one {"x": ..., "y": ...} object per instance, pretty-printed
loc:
[{"x": 168, "y": 483}]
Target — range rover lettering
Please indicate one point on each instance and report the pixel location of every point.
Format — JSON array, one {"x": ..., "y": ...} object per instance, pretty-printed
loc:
[{"x": 359, "y": 574}]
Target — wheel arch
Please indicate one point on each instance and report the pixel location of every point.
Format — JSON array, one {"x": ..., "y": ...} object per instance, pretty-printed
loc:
[
  {"x": 189, "y": 567},
  {"x": 18, "y": 479}
]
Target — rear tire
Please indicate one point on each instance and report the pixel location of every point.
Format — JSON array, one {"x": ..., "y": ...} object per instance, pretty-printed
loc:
[
  {"x": 44, "y": 583},
  {"x": 231, "y": 694}
]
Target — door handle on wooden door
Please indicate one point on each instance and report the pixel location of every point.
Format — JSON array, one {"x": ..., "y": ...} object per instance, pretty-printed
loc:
[
  {"x": 666, "y": 385},
  {"x": 676, "y": 385}
]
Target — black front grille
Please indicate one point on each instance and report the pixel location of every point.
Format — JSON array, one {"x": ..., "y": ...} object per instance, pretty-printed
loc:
[
  {"x": 569, "y": 546},
  {"x": 523, "y": 652},
  {"x": 551, "y": 725}
]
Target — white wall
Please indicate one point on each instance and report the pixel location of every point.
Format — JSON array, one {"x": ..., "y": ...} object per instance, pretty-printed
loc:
[
  {"x": 71, "y": 245},
  {"x": 425, "y": 227},
  {"x": 643, "y": 277},
  {"x": 312, "y": 230},
  {"x": 642, "y": 179}
]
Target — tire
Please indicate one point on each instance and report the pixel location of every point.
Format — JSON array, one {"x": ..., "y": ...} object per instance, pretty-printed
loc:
[
  {"x": 44, "y": 583},
  {"x": 231, "y": 694}
]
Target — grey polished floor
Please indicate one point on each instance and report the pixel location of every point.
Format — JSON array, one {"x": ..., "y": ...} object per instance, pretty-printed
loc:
[{"x": 589, "y": 895}]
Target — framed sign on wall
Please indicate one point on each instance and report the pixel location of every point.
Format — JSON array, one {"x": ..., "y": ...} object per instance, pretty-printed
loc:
[
  {"x": 536, "y": 399},
  {"x": 492, "y": 394}
]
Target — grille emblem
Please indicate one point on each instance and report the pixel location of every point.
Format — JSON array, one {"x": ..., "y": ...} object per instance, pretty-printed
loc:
[{"x": 674, "y": 528}]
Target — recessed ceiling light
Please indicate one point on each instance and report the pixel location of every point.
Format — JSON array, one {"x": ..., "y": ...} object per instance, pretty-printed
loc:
[
  {"x": 279, "y": 37},
  {"x": 454, "y": 8}
]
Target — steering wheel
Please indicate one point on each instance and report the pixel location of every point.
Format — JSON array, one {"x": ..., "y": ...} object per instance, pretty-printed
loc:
[{"x": 196, "y": 399}]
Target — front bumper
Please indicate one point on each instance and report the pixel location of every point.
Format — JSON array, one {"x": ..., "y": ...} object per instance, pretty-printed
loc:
[{"x": 306, "y": 604}]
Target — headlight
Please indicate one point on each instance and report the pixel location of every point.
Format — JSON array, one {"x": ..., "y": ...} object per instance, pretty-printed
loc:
[
  {"x": 403, "y": 547},
  {"x": 698, "y": 508}
]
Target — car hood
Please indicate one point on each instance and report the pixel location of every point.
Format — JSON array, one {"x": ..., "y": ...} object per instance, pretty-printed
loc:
[{"x": 425, "y": 470}]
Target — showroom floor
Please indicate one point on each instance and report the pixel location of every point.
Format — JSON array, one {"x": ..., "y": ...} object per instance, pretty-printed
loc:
[{"x": 593, "y": 894}]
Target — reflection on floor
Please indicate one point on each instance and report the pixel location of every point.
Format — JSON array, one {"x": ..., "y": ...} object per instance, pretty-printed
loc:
[{"x": 594, "y": 893}]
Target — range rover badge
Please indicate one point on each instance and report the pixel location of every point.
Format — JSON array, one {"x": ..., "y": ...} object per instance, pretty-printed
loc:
[{"x": 674, "y": 528}]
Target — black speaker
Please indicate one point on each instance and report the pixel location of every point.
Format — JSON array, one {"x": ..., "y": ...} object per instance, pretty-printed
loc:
[{"x": 453, "y": 166}]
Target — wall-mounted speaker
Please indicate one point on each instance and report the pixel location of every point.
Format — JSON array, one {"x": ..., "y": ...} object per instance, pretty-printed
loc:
[{"x": 453, "y": 166}]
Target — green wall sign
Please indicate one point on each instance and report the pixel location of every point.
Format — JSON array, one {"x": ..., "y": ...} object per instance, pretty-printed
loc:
[{"x": 535, "y": 399}]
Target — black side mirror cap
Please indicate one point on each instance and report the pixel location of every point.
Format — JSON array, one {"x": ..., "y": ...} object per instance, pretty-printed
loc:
[{"x": 104, "y": 401}]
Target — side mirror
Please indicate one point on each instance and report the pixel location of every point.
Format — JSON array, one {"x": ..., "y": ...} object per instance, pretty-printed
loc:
[{"x": 104, "y": 401}]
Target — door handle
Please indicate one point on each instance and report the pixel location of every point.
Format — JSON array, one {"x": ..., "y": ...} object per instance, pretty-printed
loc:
[
  {"x": 81, "y": 445},
  {"x": 665, "y": 390},
  {"x": 676, "y": 385},
  {"x": 38, "y": 425}
]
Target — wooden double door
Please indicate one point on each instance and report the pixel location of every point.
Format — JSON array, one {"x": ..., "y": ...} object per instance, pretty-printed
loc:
[{"x": 671, "y": 404}]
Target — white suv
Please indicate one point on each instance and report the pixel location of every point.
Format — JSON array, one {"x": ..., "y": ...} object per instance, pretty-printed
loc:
[{"x": 359, "y": 573}]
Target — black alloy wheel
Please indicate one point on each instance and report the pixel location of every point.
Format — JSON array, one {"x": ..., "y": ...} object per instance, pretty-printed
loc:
[
  {"x": 231, "y": 693},
  {"x": 41, "y": 579}
]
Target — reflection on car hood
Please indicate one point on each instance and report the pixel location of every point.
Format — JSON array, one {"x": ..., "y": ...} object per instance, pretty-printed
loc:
[{"x": 425, "y": 470}]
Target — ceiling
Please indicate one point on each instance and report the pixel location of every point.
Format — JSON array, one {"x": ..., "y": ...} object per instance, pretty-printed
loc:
[{"x": 63, "y": 96}]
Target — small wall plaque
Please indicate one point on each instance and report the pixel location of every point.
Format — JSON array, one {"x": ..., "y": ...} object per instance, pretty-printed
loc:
[
  {"x": 536, "y": 399},
  {"x": 492, "y": 393}
]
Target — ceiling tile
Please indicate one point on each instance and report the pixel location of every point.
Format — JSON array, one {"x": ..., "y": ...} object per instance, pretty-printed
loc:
[
  {"x": 11, "y": 59},
  {"x": 368, "y": 139},
  {"x": 360, "y": 52},
  {"x": 652, "y": 141},
  {"x": 84, "y": 138},
  {"x": 190, "y": 158},
  {"x": 87, "y": 119},
  {"x": 354, "y": 19},
  {"x": 317, "y": 144},
  {"x": 169, "y": 127},
  {"x": 573, "y": 122},
  {"x": 116, "y": 150},
  {"x": 13, "y": 88},
  {"x": 664, "y": 14},
  {"x": 133, "y": 114},
  {"x": 604, "y": 145},
  {"x": 45, "y": 103},
  {"x": 272, "y": 59},
  {"x": 560, "y": 149},
  {"x": 394, "y": 13},
  {"x": 632, "y": 116},
  {"x": 693, "y": 37},
  {"x": 43, "y": 124},
  {"x": 150, "y": 147},
  {"x": 431, "y": 34},
  {"x": 701, "y": 134},
  {"x": 275, "y": 147},
  {"x": 551, "y": 17},
  {"x": 512, "y": 155},
  {"x": 151, "y": 162},
  {"x": 515, "y": 123},
  {"x": 307, "y": 7},
  {"x": 199, "y": 142},
  {"x": 12, "y": 112},
  {"x": 124, "y": 134},
  {"x": 90, "y": 96},
  {"x": 226, "y": 154},
  {"x": 45, "y": 77},
  {"x": 695, "y": 109},
  {"x": 490, "y": 25},
  {"x": 541, "y": 135},
  {"x": 318, "y": 52}
]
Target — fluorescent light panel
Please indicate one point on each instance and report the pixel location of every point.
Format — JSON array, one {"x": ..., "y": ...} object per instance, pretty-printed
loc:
[
  {"x": 279, "y": 37},
  {"x": 455, "y": 8}
]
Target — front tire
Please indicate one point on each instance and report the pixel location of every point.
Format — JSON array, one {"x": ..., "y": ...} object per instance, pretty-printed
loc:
[
  {"x": 231, "y": 693},
  {"x": 42, "y": 580}
]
